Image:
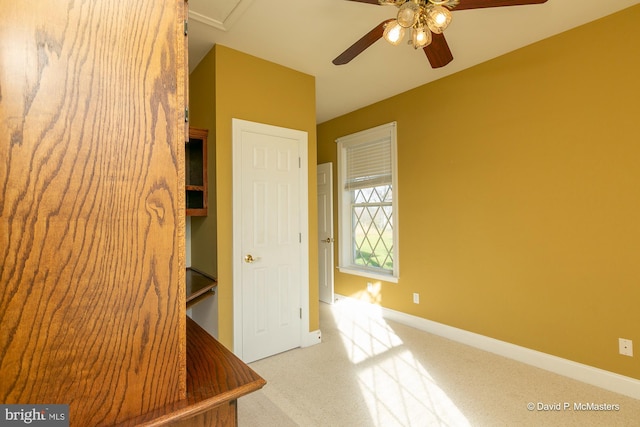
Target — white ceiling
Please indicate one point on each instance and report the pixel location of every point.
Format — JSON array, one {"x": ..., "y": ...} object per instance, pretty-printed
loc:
[{"x": 306, "y": 35}]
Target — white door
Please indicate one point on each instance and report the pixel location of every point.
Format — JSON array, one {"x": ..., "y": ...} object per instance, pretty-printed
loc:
[
  {"x": 270, "y": 220},
  {"x": 325, "y": 232}
]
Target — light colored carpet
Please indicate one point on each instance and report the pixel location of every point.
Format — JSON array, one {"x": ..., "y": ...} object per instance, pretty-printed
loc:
[{"x": 372, "y": 372}]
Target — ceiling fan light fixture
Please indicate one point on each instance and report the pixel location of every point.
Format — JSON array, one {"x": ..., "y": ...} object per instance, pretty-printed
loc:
[
  {"x": 438, "y": 18},
  {"x": 427, "y": 20},
  {"x": 408, "y": 14},
  {"x": 420, "y": 37},
  {"x": 393, "y": 33}
]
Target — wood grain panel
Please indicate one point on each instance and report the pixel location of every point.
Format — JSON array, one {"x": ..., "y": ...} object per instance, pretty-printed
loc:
[
  {"x": 92, "y": 206},
  {"x": 225, "y": 415}
]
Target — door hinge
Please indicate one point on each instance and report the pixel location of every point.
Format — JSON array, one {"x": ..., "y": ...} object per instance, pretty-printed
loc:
[
  {"x": 299, "y": 163},
  {"x": 299, "y": 237},
  {"x": 301, "y": 313},
  {"x": 186, "y": 27},
  {"x": 186, "y": 115}
]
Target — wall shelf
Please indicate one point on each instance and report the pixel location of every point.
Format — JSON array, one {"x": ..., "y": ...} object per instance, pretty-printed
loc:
[
  {"x": 199, "y": 286},
  {"x": 195, "y": 157}
]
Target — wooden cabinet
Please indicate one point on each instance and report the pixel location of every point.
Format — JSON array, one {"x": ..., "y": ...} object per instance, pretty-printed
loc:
[
  {"x": 216, "y": 378},
  {"x": 195, "y": 158},
  {"x": 92, "y": 217}
]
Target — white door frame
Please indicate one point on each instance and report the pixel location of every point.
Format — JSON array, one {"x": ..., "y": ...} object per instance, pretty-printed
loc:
[{"x": 239, "y": 126}]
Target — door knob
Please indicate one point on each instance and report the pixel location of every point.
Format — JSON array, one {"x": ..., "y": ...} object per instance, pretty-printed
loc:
[
  {"x": 249, "y": 258},
  {"x": 328, "y": 240}
]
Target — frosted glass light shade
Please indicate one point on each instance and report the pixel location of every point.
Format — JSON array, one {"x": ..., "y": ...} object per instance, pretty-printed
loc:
[
  {"x": 438, "y": 19},
  {"x": 408, "y": 14},
  {"x": 420, "y": 37},
  {"x": 393, "y": 33}
]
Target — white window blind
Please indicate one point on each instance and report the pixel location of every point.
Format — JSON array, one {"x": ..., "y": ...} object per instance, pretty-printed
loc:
[{"x": 368, "y": 164}]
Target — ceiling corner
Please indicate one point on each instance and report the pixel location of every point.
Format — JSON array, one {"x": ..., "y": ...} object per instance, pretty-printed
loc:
[{"x": 221, "y": 15}]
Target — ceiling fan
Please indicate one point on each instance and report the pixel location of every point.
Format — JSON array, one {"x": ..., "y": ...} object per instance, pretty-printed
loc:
[{"x": 426, "y": 19}]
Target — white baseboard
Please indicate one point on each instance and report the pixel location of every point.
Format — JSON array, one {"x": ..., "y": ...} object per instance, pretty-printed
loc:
[
  {"x": 588, "y": 374},
  {"x": 311, "y": 338}
]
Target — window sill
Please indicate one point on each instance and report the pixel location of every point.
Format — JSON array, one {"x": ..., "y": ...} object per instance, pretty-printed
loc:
[{"x": 368, "y": 274}]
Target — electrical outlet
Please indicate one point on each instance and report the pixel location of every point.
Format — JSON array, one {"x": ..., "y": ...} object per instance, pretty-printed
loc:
[
  {"x": 625, "y": 347},
  {"x": 416, "y": 298},
  {"x": 369, "y": 287}
]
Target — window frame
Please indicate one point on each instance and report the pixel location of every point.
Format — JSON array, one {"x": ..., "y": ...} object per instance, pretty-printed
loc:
[{"x": 345, "y": 230}]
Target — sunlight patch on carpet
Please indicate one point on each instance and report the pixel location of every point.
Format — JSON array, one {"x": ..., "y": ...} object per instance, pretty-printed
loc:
[{"x": 397, "y": 389}]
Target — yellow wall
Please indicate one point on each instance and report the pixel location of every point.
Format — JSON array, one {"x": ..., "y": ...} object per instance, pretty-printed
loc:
[
  {"x": 248, "y": 88},
  {"x": 519, "y": 195}
]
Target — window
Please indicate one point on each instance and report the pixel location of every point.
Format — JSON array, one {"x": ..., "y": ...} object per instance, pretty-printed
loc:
[{"x": 367, "y": 203}]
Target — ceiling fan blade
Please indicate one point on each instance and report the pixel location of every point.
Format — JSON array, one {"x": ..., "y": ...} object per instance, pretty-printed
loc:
[
  {"x": 358, "y": 47},
  {"x": 438, "y": 51},
  {"x": 480, "y": 4}
]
